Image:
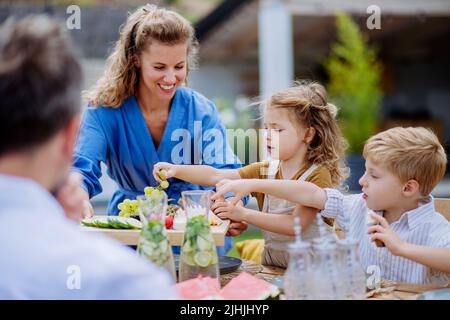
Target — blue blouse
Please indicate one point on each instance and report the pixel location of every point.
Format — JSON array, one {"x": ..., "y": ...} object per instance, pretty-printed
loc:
[{"x": 120, "y": 138}]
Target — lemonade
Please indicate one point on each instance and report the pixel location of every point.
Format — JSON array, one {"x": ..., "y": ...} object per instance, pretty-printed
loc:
[
  {"x": 154, "y": 245},
  {"x": 153, "y": 240},
  {"x": 198, "y": 252}
]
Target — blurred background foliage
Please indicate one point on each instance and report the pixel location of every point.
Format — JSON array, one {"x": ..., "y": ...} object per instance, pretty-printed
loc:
[{"x": 354, "y": 83}]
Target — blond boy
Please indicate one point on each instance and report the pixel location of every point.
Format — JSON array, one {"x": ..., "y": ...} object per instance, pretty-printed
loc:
[{"x": 403, "y": 165}]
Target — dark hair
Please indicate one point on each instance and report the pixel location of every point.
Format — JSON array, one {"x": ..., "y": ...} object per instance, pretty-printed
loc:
[{"x": 40, "y": 82}]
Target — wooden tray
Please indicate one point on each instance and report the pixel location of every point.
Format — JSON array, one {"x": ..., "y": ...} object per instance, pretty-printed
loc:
[{"x": 131, "y": 237}]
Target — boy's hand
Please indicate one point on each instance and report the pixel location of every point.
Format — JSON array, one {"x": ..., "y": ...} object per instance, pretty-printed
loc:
[
  {"x": 169, "y": 171},
  {"x": 239, "y": 187},
  {"x": 384, "y": 233}
]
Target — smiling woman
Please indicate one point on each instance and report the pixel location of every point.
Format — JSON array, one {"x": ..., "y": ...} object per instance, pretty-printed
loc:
[{"x": 135, "y": 108}]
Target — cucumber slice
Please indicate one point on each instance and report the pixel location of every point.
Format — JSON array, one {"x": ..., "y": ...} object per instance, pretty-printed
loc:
[
  {"x": 121, "y": 222},
  {"x": 88, "y": 222},
  {"x": 133, "y": 223},
  {"x": 114, "y": 222},
  {"x": 101, "y": 221}
]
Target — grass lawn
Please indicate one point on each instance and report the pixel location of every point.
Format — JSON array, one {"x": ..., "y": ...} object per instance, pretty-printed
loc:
[{"x": 246, "y": 235}]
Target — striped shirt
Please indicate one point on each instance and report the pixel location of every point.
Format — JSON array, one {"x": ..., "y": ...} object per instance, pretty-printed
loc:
[{"x": 421, "y": 226}]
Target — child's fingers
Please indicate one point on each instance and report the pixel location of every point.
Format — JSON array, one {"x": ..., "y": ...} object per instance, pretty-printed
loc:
[
  {"x": 380, "y": 220},
  {"x": 218, "y": 204},
  {"x": 219, "y": 193},
  {"x": 223, "y": 215},
  {"x": 376, "y": 228},
  {"x": 235, "y": 200},
  {"x": 378, "y": 236},
  {"x": 222, "y": 209},
  {"x": 220, "y": 199}
]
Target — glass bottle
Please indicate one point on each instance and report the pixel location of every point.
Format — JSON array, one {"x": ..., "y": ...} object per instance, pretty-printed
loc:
[
  {"x": 198, "y": 255},
  {"x": 297, "y": 278},
  {"x": 328, "y": 281},
  {"x": 153, "y": 240},
  {"x": 354, "y": 275}
]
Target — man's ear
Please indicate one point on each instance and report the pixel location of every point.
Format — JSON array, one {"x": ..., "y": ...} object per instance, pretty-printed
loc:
[
  {"x": 411, "y": 188},
  {"x": 309, "y": 134},
  {"x": 70, "y": 133}
]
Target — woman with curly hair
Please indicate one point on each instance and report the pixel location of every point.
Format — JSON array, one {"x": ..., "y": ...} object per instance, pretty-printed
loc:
[{"x": 140, "y": 111}]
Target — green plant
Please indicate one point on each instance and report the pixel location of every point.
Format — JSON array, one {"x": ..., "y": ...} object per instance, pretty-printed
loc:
[{"x": 354, "y": 83}]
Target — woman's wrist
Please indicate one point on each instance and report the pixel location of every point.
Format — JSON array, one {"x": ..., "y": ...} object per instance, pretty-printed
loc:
[{"x": 175, "y": 170}]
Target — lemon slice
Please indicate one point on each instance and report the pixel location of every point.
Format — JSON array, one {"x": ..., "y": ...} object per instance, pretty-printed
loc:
[{"x": 202, "y": 258}]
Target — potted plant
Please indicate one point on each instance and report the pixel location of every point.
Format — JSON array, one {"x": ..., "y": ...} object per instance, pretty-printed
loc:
[{"x": 354, "y": 86}]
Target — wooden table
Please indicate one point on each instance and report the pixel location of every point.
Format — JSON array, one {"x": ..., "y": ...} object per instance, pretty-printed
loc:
[
  {"x": 131, "y": 237},
  {"x": 402, "y": 291}
]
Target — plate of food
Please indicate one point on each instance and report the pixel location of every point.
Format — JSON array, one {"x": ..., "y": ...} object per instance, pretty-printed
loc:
[{"x": 127, "y": 229}]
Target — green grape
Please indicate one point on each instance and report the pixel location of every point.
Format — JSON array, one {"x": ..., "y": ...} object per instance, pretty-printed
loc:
[
  {"x": 134, "y": 206},
  {"x": 148, "y": 191},
  {"x": 164, "y": 184},
  {"x": 162, "y": 174},
  {"x": 128, "y": 208}
]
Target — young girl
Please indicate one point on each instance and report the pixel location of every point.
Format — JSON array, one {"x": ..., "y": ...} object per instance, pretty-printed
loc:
[{"x": 306, "y": 144}]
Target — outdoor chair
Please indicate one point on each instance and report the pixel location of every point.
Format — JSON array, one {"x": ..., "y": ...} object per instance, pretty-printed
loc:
[{"x": 442, "y": 205}]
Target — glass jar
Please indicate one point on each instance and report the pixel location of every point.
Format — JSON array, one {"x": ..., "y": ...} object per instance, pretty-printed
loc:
[
  {"x": 153, "y": 240},
  {"x": 297, "y": 278},
  {"x": 353, "y": 272},
  {"x": 198, "y": 255}
]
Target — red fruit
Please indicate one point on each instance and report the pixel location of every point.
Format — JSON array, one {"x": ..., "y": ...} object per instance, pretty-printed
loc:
[{"x": 169, "y": 222}]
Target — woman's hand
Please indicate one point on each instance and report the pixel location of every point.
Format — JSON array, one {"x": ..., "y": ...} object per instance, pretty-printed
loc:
[
  {"x": 74, "y": 199},
  {"x": 169, "y": 171},
  {"x": 240, "y": 188},
  {"x": 384, "y": 233},
  {"x": 236, "y": 228}
]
